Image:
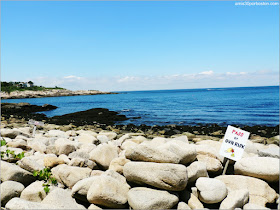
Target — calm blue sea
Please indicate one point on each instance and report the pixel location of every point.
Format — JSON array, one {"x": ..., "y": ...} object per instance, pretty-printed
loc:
[{"x": 241, "y": 106}]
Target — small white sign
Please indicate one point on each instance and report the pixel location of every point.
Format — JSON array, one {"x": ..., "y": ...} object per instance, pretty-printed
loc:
[
  {"x": 234, "y": 143},
  {"x": 33, "y": 122}
]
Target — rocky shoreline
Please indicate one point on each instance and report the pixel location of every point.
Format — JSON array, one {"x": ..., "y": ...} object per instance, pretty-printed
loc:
[
  {"x": 49, "y": 93},
  {"x": 103, "y": 166}
]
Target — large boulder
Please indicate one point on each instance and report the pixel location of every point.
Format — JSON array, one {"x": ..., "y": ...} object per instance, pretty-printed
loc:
[
  {"x": 260, "y": 192},
  {"x": 70, "y": 175},
  {"x": 103, "y": 154},
  {"x": 109, "y": 189},
  {"x": 271, "y": 151},
  {"x": 80, "y": 189},
  {"x": 235, "y": 199},
  {"x": 265, "y": 168},
  {"x": 9, "y": 190},
  {"x": 13, "y": 172},
  {"x": 18, "y": 203},
  {"x": 62, "y": 199},
  {"x": 211, "y": 190},
  {"x": 165, "y": 152},
  {"x": 166, "y": 176},
  {"x": 30, "y": 164},
  {"x": 146, "y": 198}
]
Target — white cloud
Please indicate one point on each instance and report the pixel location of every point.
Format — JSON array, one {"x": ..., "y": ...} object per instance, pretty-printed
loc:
[{"x": 205, "y": 79}]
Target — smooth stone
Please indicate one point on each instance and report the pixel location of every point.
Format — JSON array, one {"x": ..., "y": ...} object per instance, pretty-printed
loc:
[
  {"x": 211, "y": 190},
  {"x": 61, "y": 198},
  {"x": 165, "y": 176},
  {"x": 265, "y": 168},
  {"x": 64, "y": 146},
  {"x": 79, "y": 154},
  {"x": 103, "y": 154},
  {"x": 13, "y": 172},
  {"x": 9, "y": 190},
  {"x": 18, "y": 203},
  {"x": 29, "y": 164},
  {"x": 146, "y": 198},
  {"x": 213, "y": 165},
  {"x": 103, "y": 139},
  {"x": 117, "y": 164},
  {"x": 34, "y": 192},
  {"x": 183, "y": 205},
  {"x": 70, "y": 175},
  {"x": 52, "y": 161},
  {"x": 195, "y": 170},
  {"x": 80, "y": 189},
  {"x": 253, "y": 207},
  {"x": 109, "y": 189},
  {"x": 235, "y": 199},
  {"x": 260, "y": 192},
  {"x": 92, "y": 206},
  {"x": 87, "y": 138},
  {"x": 272, "y": 151}
]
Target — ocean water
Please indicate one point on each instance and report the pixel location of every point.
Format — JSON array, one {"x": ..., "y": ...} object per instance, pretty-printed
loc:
[{"x": 223, "y": 106}]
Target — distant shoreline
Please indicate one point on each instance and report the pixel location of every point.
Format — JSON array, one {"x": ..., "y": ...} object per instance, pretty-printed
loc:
[{"x": 49, "y": 93}]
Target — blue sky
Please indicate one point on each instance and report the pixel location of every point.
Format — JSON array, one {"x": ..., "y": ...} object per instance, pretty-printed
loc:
[{"x": 139, "y": 45}]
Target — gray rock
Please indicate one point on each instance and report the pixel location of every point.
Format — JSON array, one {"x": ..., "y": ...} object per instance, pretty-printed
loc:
[
  {"x": 79, "y": 154},
  {"x": 235, "y": 199},
  {"x": 211, "y": 190},
  {"x": 146, "y": 198},
  {"x": 70, "y": 175},
  {"x": 18, "y": 203},
  {"x": 61, "y": 198},
  {"x": 166, "y": 176},
  {"x": 265, "y": 168},
  {"x": 13, "y": 172},
  {"x": 9, "y": 190},
  {"x": 109, "y": 189}
]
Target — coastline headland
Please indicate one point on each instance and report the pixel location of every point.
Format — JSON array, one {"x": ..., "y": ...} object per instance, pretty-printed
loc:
[{"x": 49, "y": 93}]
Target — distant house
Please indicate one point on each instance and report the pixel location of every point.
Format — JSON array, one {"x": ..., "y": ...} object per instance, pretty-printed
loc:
[{"x": 25, "y": 84}]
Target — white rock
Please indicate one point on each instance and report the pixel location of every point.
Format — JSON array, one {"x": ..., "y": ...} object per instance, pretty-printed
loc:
[
  {"x": 253, "y": 207},
  {"x": 103, "y": 155},
  {"x": 62, "y": 198},
  {"x": 34, "y": 192},
  {"x": 146, "y": 198},
  {"x": 272, "y": 151},
  {"x": 13, "y": 172},
  {"x": 183, "y": 205},
  {"x": 18, "y": 203},
  {"x": 128, "y": 144},
  {"x": 87, "y": 138},
  {"x": 92, "y": 206},
  {"x": 103, "y": 139},
  {"x": 110, "y": 134},
  {"x": 29, "y": 164},
  {"x": 265, "y": 168},
  {"x": 235, "y": 199},
  {"x": 161, "y": 175},
  {"x": 9, "y": 190},
  {"x": 56, "y": 133},
  {"x": 211, "y": 190},
  {"x": 212, "y": 164},
  {"x": 118, "y": 163},
  {"x": 109, "y": 189},
  {"x": 80, "y": 189},
  {"x": 260, "y": 192},
  {"x": 79, "y": 154},
  {"x": 64, "y": 158},
  {"x": 64, "y": 146},
  {"x": 70, "y": 175},
  {"x": 195, "y": 170}
]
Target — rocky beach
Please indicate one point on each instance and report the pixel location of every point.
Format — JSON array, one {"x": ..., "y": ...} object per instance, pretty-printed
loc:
[
  {"x": 95, "y": 164},
  {"x": 49, "y": 93}
]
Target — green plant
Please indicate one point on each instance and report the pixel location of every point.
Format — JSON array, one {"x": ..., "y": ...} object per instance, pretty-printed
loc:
[
  {"x": 9, "y": 153},
  {"x": 46, "y": 176}
]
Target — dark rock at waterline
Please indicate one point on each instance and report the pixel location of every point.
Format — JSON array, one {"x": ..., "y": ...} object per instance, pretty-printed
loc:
[{"x": 89, "y": 117}]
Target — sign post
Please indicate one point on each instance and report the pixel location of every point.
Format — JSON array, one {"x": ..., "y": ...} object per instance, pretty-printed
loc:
[
  {"x": 35, "y": 123},
  {"x": 233, "y": 144}
]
